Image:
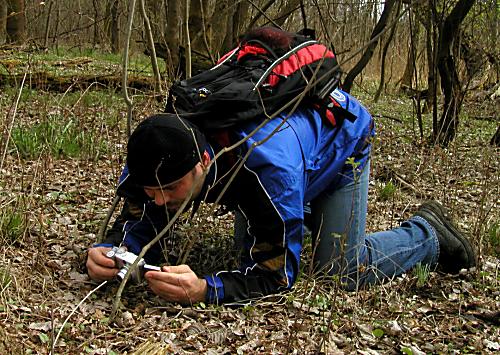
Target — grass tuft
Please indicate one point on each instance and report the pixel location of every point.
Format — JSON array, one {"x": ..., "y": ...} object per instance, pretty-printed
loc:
[
  {"x": 59, "y": 139},
  {"x": 12, "y": 226}
]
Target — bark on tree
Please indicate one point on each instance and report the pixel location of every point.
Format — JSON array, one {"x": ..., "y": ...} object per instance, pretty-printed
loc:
[
  {"x": 384, "y": 55},
  {"x": 286, "y": 11},
  {"x": 447, "y": 67},
  {"x": 228, "y": 43},
  {"x": 196, "y": 21},
  {"x": 430, "y": 46},
  {"x": 172, "y": 34},
  {"x": 95, "y": 3},
  {"x": 260, "y": 12},
  {"x": 407, "y": 78},
  {"x": 16, "y": 22},
  {"x": 219, "y": 25},
  {"x": 240, "y": 18},
  {"x": 113, "y": 24},
  {"x": 151, "y": 46},
  {"x": 3, "y": 21},
  {"x": 47, "y": 24},
  {"x": 365, "y": 58}
]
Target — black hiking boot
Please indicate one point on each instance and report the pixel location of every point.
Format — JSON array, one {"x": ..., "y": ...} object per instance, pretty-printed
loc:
[{"x": 456, "y": 251}]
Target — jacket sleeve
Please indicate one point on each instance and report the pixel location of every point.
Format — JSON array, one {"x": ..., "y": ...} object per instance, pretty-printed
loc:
[
  {"x": 272, "y": 205},
  {"x": 139, "y": 222}
]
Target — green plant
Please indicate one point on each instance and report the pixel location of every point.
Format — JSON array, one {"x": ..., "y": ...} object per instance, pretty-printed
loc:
[
  {"x": 494, "y": 237},
  {"x": 12, "y": 225},
  {"x": 422, "y": 272},
  {"x": 387, "y": 191},
  {"x": 5, "y": 278},
  {"x": 58, "y": 138}
]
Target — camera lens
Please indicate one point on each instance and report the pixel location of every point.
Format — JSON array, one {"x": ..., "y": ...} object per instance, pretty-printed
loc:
[{"x": 123, "y": 271}]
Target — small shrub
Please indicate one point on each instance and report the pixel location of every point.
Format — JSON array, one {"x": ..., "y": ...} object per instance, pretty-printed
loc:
[
  {"x": 387, "y": 191},
  {"x": 494, "y": 238},
  {"x": 12, "y": 225}
]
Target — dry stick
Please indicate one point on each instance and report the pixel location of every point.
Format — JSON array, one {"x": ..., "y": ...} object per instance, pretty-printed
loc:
[
  {"x": 154, "y": 61},
  {"x": 125, "y": 67},
  {"x": 105, "y": 222},
  {"x": 72, "y": 312},
  {"x": 9, "y": 129},
  {"x": 262, "y": 13},
  {"x": 188, "y": 42}
]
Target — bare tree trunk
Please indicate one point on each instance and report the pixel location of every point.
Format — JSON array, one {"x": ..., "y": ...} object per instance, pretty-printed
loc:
[
  {"x": 187, "y": 51},
  {"x": 430, "y": 46},
  {"x": 260, "y": 12},
  {"x": 219, "y": 24},
  {"x": 96, "y": 17},
  {"x": 286, "y": 11},
  {"x": 228, "y": 43},
  {"x": 3, "y": 21},
  {"x": 172, "y": 34},
  {"x": 240, "y": 17},
  {"x": 365, "y": 58},
  {"x": 384, "y": 55},
  {"x": 16, "y": 22},
  {"x": 126, "y": 97},
  {"x": 198, "y": 9},
  {"x": 47, "y": 25},
  {"x": 407, "y": 78},
  {"x": 151, "y": 45},
  {"x": 113, "y": 24},
  {"x": 55, "y": 40},
  {"x": 447, "y": 66}
]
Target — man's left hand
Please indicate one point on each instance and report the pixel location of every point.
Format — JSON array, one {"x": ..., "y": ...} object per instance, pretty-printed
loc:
[{"x": 177, "y": 284}]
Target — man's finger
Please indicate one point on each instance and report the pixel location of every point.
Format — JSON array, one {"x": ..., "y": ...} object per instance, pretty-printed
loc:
[
  {"x": 98, "y": 255},
  {"x": 177, "y": 269}
]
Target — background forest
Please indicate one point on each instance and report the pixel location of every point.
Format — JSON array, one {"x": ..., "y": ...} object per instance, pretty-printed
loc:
[{"x": 76, "y": 76}]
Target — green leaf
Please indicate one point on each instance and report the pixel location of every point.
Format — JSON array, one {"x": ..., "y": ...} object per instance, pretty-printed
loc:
[
  {"x": 378, "y": 333},
  {"x": 407, "y": 351},
  {"x": 44, "y": 338}
]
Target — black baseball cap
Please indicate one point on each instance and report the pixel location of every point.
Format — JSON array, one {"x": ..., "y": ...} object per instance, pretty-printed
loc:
[{"x": 162, "y": 149}]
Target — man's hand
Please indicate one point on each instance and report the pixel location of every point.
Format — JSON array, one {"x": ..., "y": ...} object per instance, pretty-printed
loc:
[
  {"x": 99, "y": 266},
  {"x": 177, "y": 284}
]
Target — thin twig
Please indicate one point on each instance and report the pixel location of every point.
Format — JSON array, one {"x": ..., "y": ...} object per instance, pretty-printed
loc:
[
  {"x": 72, "y": 312},
  {"x": 125, "y": 67},
  {"x": 9, "y": 129},
  {"x": 152, "y": 49}
]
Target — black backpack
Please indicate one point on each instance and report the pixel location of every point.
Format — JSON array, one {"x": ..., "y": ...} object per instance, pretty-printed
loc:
[{"x": 268, "y": 69}]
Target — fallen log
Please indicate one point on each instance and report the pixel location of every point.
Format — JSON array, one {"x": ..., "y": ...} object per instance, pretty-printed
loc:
[{"x": 60, "y": 83}]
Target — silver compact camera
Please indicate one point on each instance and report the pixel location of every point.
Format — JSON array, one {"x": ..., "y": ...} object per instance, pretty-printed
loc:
[{"x": 124, "y": 260}]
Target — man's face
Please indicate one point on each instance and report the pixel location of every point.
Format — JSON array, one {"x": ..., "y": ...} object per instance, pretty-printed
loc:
[{"x": 173, "y": 195}]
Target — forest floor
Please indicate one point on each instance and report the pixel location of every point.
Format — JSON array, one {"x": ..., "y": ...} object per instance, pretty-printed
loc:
[{"x": 57, "y": 180}]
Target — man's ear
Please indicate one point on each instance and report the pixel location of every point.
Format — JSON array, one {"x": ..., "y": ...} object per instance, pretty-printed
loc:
[{"x": 205, "y": 159}]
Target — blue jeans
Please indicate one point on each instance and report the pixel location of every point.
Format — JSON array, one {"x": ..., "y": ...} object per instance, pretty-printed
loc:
[{"x": 341, "y": 247}]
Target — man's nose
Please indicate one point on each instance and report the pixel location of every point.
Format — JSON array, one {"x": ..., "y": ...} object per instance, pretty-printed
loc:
[{"x": 161, "y": 197}]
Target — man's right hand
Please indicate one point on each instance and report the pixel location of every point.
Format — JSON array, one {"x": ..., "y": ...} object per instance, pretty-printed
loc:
[{"x": 99, "y": 266}]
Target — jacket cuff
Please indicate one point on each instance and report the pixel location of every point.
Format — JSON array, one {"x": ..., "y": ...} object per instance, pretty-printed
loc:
[
  {"x": 106, "y": 245},
  {"x": 215, "y": 289}
]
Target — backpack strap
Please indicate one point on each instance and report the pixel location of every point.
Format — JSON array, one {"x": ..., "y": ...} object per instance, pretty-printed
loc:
[{"x": 280, "y": 60}]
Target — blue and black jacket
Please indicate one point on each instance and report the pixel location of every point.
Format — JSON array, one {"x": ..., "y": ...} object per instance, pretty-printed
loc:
[{"x": 290, "y": 162}]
